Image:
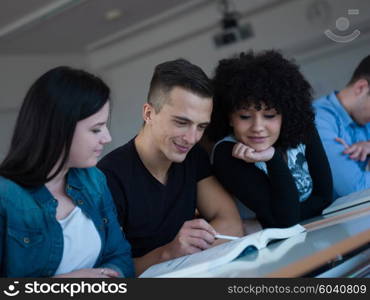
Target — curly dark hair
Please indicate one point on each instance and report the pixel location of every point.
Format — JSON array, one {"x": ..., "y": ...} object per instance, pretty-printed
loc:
[{"x": 265, "y": 78}]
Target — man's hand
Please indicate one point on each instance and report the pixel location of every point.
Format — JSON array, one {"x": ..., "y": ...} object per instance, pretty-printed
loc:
[
  {"x": 194, "y": 236},
  {"x": 250, "y": 155},
  {"x": 90, "y": 273},
  {"x": 357, "y": 151}
]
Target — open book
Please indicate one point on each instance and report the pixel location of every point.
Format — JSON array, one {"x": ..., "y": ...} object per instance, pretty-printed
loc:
[
  {"x": 253, "y": 265},
  {"x": 348, "y": 201},
  {"x": 188, "y": 265}
]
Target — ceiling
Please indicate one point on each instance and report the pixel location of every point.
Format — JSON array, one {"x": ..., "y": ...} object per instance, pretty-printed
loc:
[{"x": 71, "y": 26}]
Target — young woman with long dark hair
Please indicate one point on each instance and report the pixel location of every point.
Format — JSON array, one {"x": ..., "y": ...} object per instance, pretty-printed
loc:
[{"x": 57, "y": 217}]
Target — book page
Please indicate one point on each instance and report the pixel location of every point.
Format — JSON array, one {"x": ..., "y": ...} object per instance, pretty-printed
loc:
[
  {"x": 279, "y": 233},
  {"x": 201, "y": 261},
  {"x": 264, "y": 257},
  {"x": 349, "y": 200}
]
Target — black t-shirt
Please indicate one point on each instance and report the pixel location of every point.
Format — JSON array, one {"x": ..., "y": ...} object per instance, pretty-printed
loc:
[
  {"x": 274, "y": 197},
  {"x": 151, "y": 213}
]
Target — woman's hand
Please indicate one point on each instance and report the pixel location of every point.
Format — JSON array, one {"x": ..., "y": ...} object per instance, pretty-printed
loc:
[
  {"x": 250, "y": 155},
  {"x": 90, "y": 273}
]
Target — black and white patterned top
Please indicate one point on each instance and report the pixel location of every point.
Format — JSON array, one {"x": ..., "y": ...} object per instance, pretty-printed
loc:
[{"x": 278, "y": 192}]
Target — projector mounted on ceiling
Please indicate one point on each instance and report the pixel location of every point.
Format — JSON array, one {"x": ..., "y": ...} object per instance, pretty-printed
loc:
[{"x": 232, "y": 31}]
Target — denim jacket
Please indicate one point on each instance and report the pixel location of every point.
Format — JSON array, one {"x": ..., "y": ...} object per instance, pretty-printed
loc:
[{"x": 31, "y": 239}]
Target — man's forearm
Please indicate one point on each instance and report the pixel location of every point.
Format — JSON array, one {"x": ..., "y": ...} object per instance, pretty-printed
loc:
[
  {"x": 228, "y": 225},
  {"x": 153, "y": 257}
]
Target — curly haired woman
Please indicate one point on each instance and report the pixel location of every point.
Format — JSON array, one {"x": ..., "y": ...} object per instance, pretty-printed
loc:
[{"x": 268, "y": 153}]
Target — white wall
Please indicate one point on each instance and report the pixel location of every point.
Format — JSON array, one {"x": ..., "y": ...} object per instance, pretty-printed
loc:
[
  {"x": 17, "y": 73},
  {"x": 332, "y": 70},
  {"x": 128, "y": 64}
]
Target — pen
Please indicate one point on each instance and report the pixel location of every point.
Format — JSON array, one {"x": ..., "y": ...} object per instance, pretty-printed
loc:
[{"x": 226, "y": 237}]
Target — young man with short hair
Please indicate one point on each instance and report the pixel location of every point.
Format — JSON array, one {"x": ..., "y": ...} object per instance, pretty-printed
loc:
[{"x": 162, "y": 176}]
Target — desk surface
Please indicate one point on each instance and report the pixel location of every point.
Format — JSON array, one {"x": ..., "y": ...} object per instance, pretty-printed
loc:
[{"x": 327, "y": 238}]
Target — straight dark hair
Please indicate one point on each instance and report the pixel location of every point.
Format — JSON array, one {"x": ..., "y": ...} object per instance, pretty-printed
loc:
[
  {"x": 177, "y": 73},
  {"x": 46, "y": 123}
]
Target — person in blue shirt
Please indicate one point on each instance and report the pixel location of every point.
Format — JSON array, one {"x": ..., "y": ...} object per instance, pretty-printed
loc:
[
  {"x": 57, "y": 217},
  {"x": 343, "y": 122}
]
